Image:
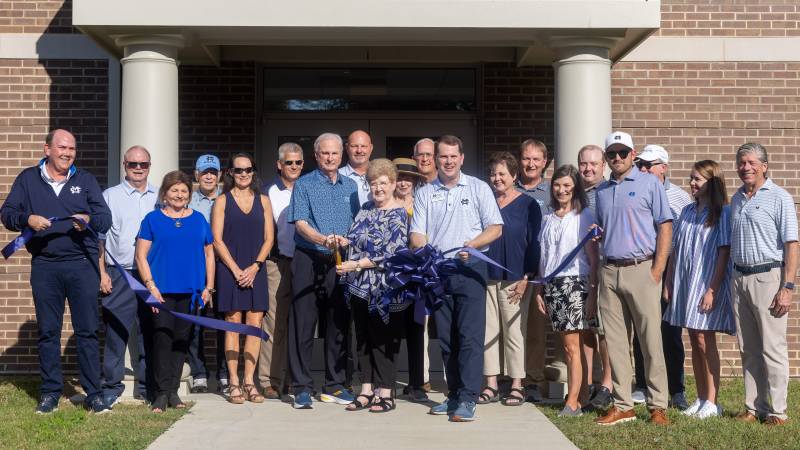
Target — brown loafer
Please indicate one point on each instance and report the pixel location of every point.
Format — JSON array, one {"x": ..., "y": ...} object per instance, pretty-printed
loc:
[
  {"x": 659, "y": 417},
  {"x": 615, "y": 416},
  {"x": 746, "y": 417},
  {"x": 772, "y": 421},
  {"x": 272, "y": 393}
]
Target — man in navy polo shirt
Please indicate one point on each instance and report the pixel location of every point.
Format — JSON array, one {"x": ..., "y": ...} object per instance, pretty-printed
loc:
[
  {"x": 323, "y": 206},
  {"x": 64, "y": 259},
  {"x": 454, "y": 211}
]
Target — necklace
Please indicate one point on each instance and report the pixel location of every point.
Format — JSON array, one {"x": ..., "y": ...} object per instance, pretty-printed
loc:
[{"x": 177, "y": 220}]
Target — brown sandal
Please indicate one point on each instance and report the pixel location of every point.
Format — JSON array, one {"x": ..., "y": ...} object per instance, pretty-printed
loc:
[
  {"x": 235, "y": 399},
  {"x": 252, "y": 394}
]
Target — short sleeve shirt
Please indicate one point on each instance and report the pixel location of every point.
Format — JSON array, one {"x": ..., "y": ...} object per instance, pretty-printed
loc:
[
  {"x": 448, "y": 217},
  {"x": 762, "y": 224},
  {"x": 280, "y": 196},
  {"x": 328, "y": 207},
  {"x": 128, "y": 208},
  {"x": 677, "y": 197},
  {"x": 202, "y": 204},
  {"x": 540, "y": 193},
  {"x": 364, "y": 194},
  {"x": 558, "y": 237},
  {"x": 629, "y": 211}
]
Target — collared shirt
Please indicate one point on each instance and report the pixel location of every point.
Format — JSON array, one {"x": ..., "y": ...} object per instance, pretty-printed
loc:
[
  {"x": 361, "y": 181},
  {"x": 591, "y": 196},
  {"x": 280, "y": 196},
  {"x": 677, "y": 197},
  {"x": 56, "y": 185},
  {"x": 540, "y": 193},
  {"x": 762, "y": 224},
  {"x": 128, "y": 207},
  {"x": 629, "y": 211},
  {"x": 203, "y": 204},
  {"x": 448, "y": 217},
  {"x": 328, "y": 207}
]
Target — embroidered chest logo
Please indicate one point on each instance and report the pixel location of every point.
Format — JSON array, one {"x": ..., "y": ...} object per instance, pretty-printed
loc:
[
  {"x": 465, "y": 201},
  {"x": 75, "y": 189},
  {"x": 631, "y": 194}
]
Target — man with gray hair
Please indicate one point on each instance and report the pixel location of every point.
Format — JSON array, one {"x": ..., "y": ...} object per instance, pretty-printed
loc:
[
  {"x": 322, "y": 208},
  {"x": 764, "y": 251},
  {"x": 424, "y": 155}
]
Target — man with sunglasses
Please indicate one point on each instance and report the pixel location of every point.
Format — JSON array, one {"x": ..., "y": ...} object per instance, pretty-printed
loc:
[
  {"x": 359, "y": 150},
  {"x": 272, "y": 366},
  {"x": 633, "y": 210},
  {"x": 654, "y": 160},
  {"x": 129, "y": 202}
]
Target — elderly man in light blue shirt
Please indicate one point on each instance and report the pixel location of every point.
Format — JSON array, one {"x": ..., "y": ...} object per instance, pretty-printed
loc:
[
  {"x": 129, "y": 202},
  {"x": 359, "y": 150},
  {"x": 455, "y": 211}
]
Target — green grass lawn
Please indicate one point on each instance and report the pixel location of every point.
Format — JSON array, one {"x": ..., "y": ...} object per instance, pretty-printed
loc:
[
  {"x": 685, "y": 432},
  {"x": 71, "y": 427}
]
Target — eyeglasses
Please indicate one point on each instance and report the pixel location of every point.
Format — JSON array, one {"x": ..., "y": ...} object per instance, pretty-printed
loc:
[
  {"x": 137, "y": 165},
  {"x": 611, "y": 155},
  {"x": 241, "y": 170},
  {"x": 297, "y": 162},
  {"x": 646, "y": 164},
  {"x": 214, "y": 172}
]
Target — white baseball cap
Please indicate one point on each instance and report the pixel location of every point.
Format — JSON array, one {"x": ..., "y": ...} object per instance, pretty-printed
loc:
[
  {"x": 654, "y": 152},
  {"x": 619, "y": 138}
]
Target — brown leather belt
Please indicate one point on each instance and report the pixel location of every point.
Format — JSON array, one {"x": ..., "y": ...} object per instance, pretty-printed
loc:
[{"x": 628, "y": 262}]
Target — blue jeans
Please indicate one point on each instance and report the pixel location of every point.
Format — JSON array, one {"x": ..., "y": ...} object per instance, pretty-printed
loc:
[
  {"x": 461, "y": 327},
  {"x": 79, "y": 282}
]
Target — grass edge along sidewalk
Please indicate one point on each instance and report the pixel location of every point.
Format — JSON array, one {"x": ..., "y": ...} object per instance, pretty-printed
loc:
[
  {"x": 130, "y": 426},
  {"x": 686, "y": 432}
]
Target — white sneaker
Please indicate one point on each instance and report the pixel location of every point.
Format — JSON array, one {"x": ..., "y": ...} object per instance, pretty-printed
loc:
[
  {"x": 709, "y": 410},
  {"x": 638, "y": 396},
  {"x": 693, "y": 408}
]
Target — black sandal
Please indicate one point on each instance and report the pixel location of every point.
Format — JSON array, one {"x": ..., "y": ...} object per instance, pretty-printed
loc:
[
  {"x": 175, "y": 401},
  {"x": 513, "y": 400},
  {"x": 485, "y": 398},
  {"x": 385, "y": 404},
  {"x": 159, "y": 405},
  {"x": 357, "y": 405}
]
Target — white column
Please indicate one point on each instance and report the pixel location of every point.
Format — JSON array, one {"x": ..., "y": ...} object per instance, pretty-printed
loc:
[
  {"x": 583, "y": 94},
  {"x": 149, "y": 112}
]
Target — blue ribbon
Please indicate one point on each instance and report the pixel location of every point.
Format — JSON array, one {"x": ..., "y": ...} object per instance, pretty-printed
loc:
[
  {"x": 142, "y": 292},
  {"x": 593, "y": 233}
]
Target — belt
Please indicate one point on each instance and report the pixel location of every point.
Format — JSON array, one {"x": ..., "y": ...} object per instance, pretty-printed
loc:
[
  {"x": 628, "y": 262},
  {"x": 277, "y": 258},
  {"x": 758, "y": 268}
]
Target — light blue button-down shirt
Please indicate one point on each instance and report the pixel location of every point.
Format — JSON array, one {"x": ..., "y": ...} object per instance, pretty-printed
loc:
[
  {"x": 203, "y": 204},
  {"x": 450, "y": 217},
  {"x": 128, "y": 207},
  {"x": 762, "y": 224},
  {"x": 364, "y": 194},
  {"x": 629, "y": 211}
]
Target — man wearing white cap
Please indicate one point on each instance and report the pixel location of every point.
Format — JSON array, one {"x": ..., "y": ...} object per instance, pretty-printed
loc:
[{"x": 654, "y": 160}]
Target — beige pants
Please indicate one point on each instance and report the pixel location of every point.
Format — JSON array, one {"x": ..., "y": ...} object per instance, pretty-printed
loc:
[
  {"x": 630, "y": 299},
  {"x": 762, "y": 341},
  {"x": 272, "y": 365},
  {"x": 535, "y": 340},
  {"x": 426, "y": 361},
  {"x": 506, "y": 326}
]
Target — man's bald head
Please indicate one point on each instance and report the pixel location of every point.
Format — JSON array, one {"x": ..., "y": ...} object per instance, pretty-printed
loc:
[{"x": 359, "y": 149}]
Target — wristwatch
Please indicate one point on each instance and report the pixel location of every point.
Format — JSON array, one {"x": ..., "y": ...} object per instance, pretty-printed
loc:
[
  {"x": 259, "y": 264},
  {"x": 789, "y": 285},
  {"x": 211, "y": 290}
]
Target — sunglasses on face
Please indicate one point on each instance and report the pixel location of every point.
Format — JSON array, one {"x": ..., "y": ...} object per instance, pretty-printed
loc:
[
  {"x": 137, "y": 165},
  {"x": 611, "y": 155},
  {"x": 241, "y": 170},
  {"x": 646, "y": 164},
  {"x": 297, "y": 162}
]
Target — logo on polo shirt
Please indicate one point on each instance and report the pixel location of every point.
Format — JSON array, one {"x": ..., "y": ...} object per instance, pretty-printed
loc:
[
  {"x": 75, "y": 189},
  {"x": 631, "y": 194},
  {"x": 465, "y": 201}
]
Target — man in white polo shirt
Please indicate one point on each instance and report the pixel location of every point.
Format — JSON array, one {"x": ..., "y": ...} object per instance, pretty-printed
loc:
[{"x": 272, "y": 365}]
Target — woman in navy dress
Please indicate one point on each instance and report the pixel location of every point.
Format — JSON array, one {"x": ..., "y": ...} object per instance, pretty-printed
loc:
[
  {"x": 176, "y": 261},
  {"x": 243, "y": 234}
]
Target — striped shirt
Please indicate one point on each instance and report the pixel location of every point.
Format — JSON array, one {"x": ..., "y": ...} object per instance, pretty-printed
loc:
[
  {"x": 677, "y": 197},
  {"x": 540, "y": 193},
  {"x": 762, "y": 224}
]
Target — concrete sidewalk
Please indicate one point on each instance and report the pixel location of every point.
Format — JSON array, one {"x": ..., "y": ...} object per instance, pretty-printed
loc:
[{"x": 214, "y": 423}]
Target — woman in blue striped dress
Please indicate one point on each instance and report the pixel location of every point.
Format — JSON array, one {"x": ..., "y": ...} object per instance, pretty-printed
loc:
[{"x": 698, "y": 282}]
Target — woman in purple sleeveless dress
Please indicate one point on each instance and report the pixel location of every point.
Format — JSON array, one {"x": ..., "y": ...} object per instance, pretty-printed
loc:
[{"x": 241, "y": 222}]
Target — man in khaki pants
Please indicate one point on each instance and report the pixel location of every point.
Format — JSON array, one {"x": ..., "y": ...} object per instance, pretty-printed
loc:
[
  {"x": 764, "y": 250},
  {"x": 272, "y": 365},
  {"x": 633, "y": 210}
]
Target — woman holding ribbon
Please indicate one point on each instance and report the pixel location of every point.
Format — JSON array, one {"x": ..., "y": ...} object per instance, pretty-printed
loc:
[
  {"x": 175, "y": 258},
  {"x": 379, "y": 230},
  {"x": 243, "y": 234},
  {"x": 698, "y": 288},
  {"x": 506, "y": 302},
  {"x": 570, "y": 296}
]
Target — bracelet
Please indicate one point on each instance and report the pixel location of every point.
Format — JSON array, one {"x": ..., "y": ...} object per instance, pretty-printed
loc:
[
  {"x": 211, "y": 290},
  {"x": 147, "y": 282}
]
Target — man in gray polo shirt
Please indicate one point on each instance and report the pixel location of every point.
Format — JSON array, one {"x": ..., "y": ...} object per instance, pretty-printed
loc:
[
  {"x": 633, "y": 210},
  {"x": 359, "y": 150},
  {"x": 764, "y": 250}
]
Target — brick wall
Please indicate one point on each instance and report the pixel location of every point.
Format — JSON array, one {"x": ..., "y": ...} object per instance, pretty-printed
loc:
[
  {"x": 35, "y": 16},
  {"x": 765, "y": 18}
]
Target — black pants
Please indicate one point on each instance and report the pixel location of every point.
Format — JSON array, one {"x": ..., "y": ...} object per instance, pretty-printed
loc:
[
  {"x": 316, "y": 295},
  {"x": 377, "y": 344},
  {"x": 170, "y": 343},
  {"x": 415, "y": 346},
  {"x": 674, "y": 357},
  {"x": 197, "y": 355}
]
